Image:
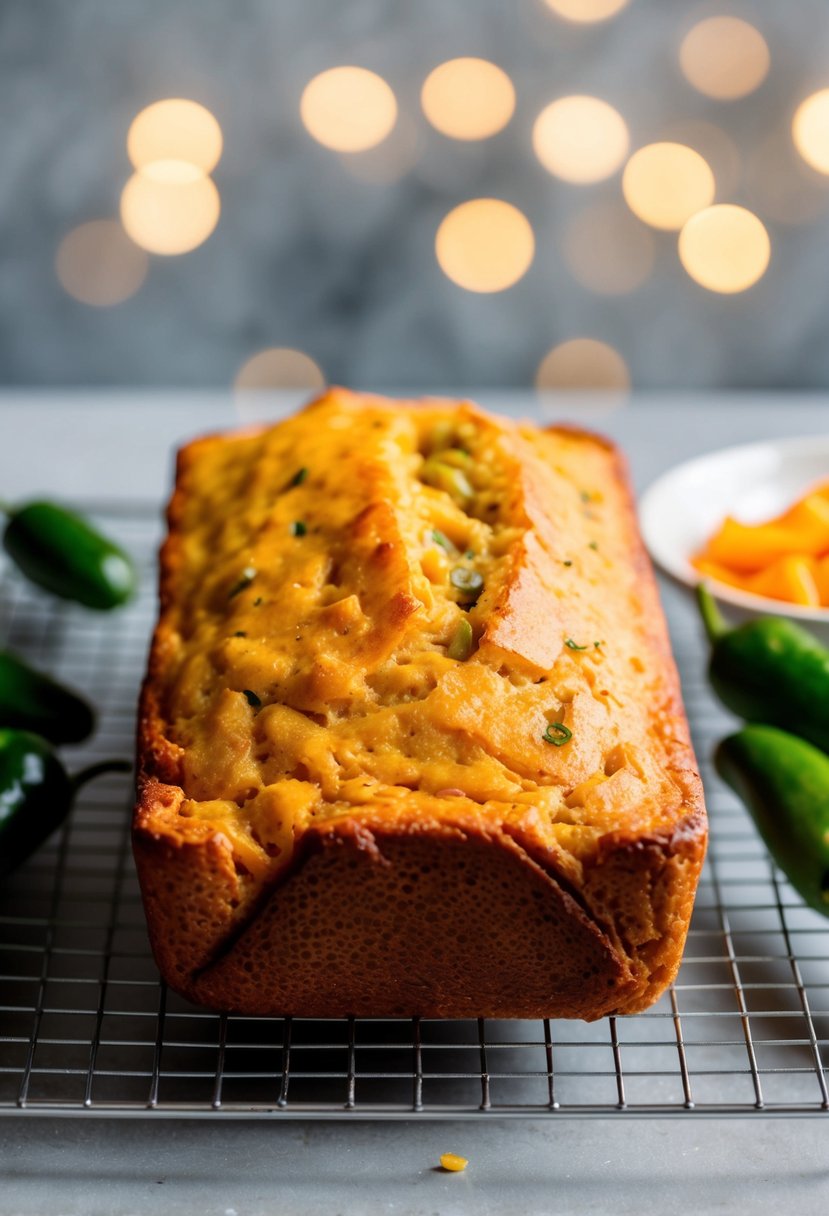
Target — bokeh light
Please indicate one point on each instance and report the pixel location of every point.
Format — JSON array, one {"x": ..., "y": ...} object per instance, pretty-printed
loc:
[
  {"x": 724, "y": 58},
  {"x": 348, "y": 109},
  {"x": 279, "y": 367},
  {"x": 584, "y": 11},
  {"x": 98, "y": 264},
  {"x": 580, "y": 139},
  {"x": 664, "y": 184},
  {"x": 169, "y": 207},
  {"x": 607, "y": 250},
  {"x": 485, "y": 245},
  {"x": 725, "y": 248},
  {"x": 468, "y": 98},
  {"x": 583, "y": 363},
  {"x": 810, "y": 130},
  {"x": 175, "y": 129}
]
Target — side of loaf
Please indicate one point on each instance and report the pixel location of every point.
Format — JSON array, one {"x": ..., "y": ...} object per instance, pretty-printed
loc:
[{"x": 411, "y": 739}]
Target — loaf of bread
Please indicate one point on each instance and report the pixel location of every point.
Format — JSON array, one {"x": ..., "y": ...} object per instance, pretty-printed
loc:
[{"x": 411, "y": 739}]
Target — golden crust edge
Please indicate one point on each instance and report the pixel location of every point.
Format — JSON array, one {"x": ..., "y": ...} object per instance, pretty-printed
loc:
[
  {"x": 200, "y": 876},
  {"x": 674, "y": 855}
]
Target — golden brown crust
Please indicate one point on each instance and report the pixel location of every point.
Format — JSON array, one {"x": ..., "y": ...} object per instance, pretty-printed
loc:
[
  {"x": 453, "y": 912},
  {"x": 390, "y": 924}
]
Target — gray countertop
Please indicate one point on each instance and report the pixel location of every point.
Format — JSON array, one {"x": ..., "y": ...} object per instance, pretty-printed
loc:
[
  {"x": 606, "y": 1166},
  {"x": 117, "y": 446}
]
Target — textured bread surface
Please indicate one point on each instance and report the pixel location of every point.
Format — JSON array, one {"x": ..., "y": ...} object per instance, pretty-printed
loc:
[{"x": 411, "y": 739}]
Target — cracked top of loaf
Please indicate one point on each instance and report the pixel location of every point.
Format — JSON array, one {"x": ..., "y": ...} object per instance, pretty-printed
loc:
[{"x": 415, "y": 610}]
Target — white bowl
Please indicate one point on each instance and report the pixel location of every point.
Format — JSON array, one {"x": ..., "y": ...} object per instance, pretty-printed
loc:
[{"x": 753, "y": 482}]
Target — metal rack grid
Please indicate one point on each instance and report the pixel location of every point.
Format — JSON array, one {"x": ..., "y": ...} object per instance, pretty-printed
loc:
[{"x": 86, "y": 1026}]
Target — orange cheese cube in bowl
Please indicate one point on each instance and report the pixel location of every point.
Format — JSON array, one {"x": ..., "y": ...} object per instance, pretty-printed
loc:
[
  {"x": 809, "y": 520},
  {"x": 748, "y": 548},
  {"x": 821, "y": 576},
  {"x": 723, "y": 574},
  {"x": 790, "y": 578}
]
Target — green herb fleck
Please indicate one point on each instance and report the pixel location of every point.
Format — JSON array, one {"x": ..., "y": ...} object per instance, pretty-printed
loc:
[
  {"x": 557, "y": 733},
  {"x": 252, "y": 698},
  {"x": 298, "y": 478},
  {"x": 598, "y": 645},
  {"x": 460, "y": 647},
  {"x": 467, "y": 581},
  {"x": 245, "y": 579},
  {"x": 593, "y": 545},
  {"x": 443, "y": 541},
  {"x": 573, "y": 645},
  {"x": 586, "y": 496},
  {"x": 443, "y": 476},
  {"x": 298, "y": 528},
  {"x": 457, "y": 456},
  {"x": 470, "y": 553},
  {"x": 240, "y": 633},
  {"x": 567, "y": 563}
]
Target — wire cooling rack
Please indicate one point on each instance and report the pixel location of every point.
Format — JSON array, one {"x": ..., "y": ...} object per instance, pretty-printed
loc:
[{"x": 86, "y": 1025}]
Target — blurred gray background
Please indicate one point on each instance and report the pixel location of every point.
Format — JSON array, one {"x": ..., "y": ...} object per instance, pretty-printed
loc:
[{"x": 309, "y": 254}]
